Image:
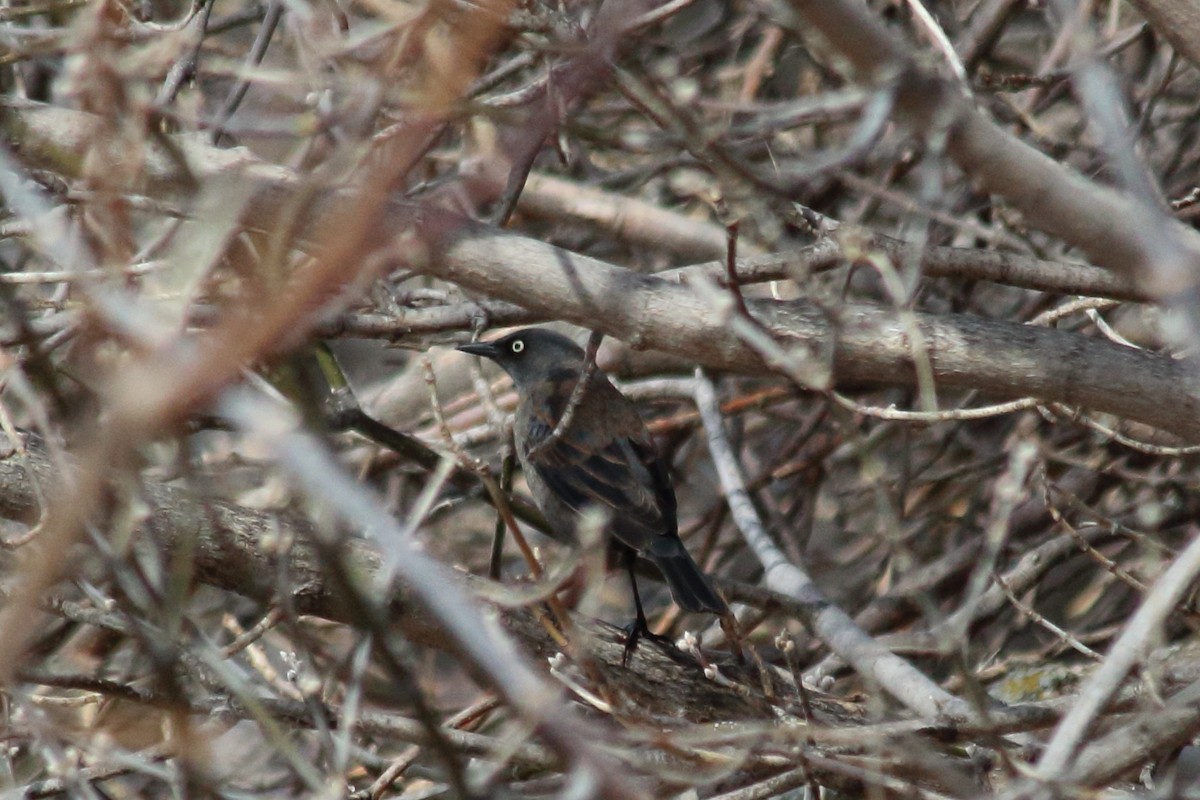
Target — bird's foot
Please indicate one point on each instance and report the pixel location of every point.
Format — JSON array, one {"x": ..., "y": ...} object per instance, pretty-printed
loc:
[{"x": 635, "y": 632}]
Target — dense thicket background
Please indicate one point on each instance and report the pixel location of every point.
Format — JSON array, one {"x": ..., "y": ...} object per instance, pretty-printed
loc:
[{"x": 935, "y": 441}]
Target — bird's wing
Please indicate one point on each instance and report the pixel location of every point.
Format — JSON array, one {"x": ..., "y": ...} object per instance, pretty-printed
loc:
[{"x": 622, "y": 475}]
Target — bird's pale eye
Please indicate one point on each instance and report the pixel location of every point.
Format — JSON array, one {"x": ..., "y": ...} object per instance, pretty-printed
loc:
[{"x": 517, "y": 346}]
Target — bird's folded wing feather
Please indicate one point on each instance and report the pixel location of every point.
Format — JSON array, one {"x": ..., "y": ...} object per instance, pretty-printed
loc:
[{"x": 621, "y": 475}]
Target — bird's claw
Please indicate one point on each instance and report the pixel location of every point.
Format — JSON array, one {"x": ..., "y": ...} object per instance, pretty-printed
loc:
[{"x": 634, "y": 633}]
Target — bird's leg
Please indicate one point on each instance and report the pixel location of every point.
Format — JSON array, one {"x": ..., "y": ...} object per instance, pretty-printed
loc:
[{"x": 635, "y": 630}]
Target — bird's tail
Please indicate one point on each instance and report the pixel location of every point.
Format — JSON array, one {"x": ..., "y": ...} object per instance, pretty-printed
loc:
[{"x": 689, "y": 586}]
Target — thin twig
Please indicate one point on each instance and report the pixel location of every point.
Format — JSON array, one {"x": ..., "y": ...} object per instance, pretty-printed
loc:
[
  {"x": 577, "y": 392},
  {"x": 258, "y": 50},
  {"x": 560, "y": 629},
  {"x": 496, "y": 562},
  {"x": 1130, "y": 646},
  {"x": 1030, "y": 613},
  {"x": 478, "y": 640},
  {"x": 731, "y": 276},
  {"x": 829, "y": 622}
]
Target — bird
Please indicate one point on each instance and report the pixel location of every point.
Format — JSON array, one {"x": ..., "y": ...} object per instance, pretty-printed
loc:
[{"x": 604, "y": 458}]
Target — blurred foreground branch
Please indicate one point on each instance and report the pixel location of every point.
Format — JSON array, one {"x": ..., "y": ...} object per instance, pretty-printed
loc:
[{"x": 229, "y": 554}]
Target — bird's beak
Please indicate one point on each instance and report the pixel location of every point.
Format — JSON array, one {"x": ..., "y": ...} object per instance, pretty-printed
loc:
[{"x": 485, "y": 349}]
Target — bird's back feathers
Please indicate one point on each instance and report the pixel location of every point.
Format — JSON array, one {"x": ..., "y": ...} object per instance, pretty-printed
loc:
[{"x": 612, "y": 466}]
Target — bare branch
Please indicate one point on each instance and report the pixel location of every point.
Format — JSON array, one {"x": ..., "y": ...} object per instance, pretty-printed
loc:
[{"x": 829, "y": 622}]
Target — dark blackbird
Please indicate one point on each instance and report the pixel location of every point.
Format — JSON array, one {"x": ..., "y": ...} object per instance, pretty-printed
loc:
[{"x": 604, "y": 458}]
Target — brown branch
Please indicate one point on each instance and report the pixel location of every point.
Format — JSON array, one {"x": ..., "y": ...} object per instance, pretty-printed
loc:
[
  {"x": 1177, "y": 21},
  {"x": 629, "y": 219},
  {"x": 229, "y": 555},
  {"x": 863, "y": 343},
  {"x": 56, "y": 138},
  {"x": 1156, "y": 730},
  {"x": 1125, "y": 652},
  {"x": 1106, "y": 224},
  {"x": 833, "y": 625}
]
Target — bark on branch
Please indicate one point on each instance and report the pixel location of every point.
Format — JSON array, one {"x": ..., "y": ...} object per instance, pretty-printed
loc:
[
  {"x": 857, "y": 342},
  {"x": 227, "y": 541}
]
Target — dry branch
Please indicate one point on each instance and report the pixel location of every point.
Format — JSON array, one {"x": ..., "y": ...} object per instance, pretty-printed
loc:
[
  {"x": 920, "y": 177},
  {"x": 229, "y": 554},
  {"x": 1108, "y": 225},
  {"x": 859, "y": 343}
]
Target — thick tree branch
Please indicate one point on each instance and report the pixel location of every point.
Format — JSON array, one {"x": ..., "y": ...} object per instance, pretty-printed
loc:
[
  {"x": 1177, "y": 21},
  {"x": 858, "y": 343},
  {"x": 1108, "y": 225}
]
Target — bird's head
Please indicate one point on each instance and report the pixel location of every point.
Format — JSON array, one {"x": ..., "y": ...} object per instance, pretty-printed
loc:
[{"x": 531, "y": 355}]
